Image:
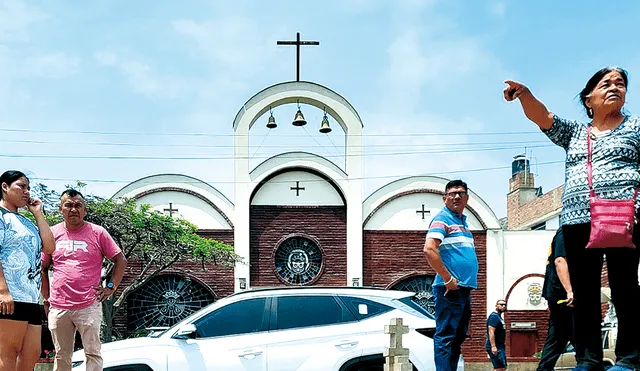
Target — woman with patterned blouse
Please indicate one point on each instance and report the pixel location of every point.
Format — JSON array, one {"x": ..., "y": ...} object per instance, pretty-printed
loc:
[
  {"x": 20, "y": 245},
  {"x": 616, "y": 157}
]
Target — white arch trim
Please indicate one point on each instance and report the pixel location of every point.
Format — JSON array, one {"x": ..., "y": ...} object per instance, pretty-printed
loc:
[
  {"x": 299, "y": 161},
  {"x": 406, "y": 185},
  {"x": 298, "y": 91},
  {"x": 178, "y": 181}
]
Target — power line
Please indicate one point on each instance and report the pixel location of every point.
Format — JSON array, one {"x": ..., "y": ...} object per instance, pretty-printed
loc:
[
  {"x": 231, "y": 135},
  {"x": 121, "y": 144},
  {"x": 197, "y": 158},
  {"x": 310, "y": 180}
]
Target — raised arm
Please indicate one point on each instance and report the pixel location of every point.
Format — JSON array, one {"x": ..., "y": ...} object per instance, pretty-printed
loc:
[
  {"x": 48, "y": 241},
  {"x": 532, "y": 107}
]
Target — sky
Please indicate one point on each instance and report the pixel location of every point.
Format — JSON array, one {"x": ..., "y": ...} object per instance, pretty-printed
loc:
[{"x": 112, "y": 91}]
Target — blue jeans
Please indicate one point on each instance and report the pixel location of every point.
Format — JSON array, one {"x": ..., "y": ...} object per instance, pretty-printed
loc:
[
  {"x": 453, "y": 313},
  {"x": 498, "y": 360}
]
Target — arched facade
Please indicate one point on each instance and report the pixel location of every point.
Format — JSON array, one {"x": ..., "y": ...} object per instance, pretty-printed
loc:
[
  {"x": 349, "y": 181},
  {"x": 298, "y": 219}
]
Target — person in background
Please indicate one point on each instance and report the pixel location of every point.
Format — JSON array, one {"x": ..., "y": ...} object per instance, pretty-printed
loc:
[
  {"x": 559, "y": 294},
  {"x": 496, "y": 337}
]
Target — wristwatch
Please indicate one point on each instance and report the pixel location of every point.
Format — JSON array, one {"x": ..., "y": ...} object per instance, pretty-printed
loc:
[{"x": 111, "y": 286}]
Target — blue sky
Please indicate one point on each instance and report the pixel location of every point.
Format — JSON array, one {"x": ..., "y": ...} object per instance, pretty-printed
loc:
[{"x": 90, "y": 81}]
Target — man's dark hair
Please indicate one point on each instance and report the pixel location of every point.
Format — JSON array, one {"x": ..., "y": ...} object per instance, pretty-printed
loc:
[
  {"x": 72, "y": 193},
  {"x": 455, "y": 183}
]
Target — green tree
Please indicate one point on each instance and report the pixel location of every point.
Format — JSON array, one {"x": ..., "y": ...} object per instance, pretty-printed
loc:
[{"x": 155, "y": 240}]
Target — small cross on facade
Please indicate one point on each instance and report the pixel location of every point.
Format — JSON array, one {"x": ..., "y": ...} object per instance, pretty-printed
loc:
[
  {"x": 297, "y": 188},
  {"x": 171, "y": 210},
  {"x": 423, "y": 212},
  {"x": 297, "y": 43},
  {"x": 397, "y": 357}
]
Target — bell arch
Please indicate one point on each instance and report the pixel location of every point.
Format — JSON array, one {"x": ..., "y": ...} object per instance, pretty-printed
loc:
[{"x": 246, "y": 180}]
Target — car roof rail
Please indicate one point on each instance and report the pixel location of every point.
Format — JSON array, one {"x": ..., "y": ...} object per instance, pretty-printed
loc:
[{"x": 274, "y": 288}]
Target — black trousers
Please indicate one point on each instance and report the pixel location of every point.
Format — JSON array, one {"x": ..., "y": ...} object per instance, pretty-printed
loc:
[
  {"x": 585, "y": 267},
  {"x": 559, "y": 335}
]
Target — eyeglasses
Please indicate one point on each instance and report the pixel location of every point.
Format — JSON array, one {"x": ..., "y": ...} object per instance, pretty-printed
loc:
[
  {"x": 454, "y": 194},
  {"x": 502, "y": 304}
]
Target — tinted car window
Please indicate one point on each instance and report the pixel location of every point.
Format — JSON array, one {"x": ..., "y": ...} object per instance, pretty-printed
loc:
[
  {"x": 408, "y": 301},
  {"x": 237, "y": 318},
  {"x": 363, "y": 308},
  {"x": 307, "y": 311}
]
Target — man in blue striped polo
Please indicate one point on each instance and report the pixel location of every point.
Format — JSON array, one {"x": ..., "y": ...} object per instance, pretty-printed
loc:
[{"x": 450, "y": 251}]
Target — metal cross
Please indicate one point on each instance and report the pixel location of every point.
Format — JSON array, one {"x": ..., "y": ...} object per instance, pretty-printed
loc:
[
  {"x": 423, "y": 211},
  {"x": 297, "y": 188},
  {"x": 171, "y": 209},
  {"x": 297, "y": 43}
]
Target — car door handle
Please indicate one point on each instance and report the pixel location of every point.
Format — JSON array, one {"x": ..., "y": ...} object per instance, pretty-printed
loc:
[
  {"x": 250, "y": 354},
  {"x": 346, "y": 344}
]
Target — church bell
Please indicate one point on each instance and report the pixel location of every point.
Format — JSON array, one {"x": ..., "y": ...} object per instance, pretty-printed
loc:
[
  {"x": 299, "y": 119},
  {"x": 271, "y": 124},
  {"x": 324, "y": 127}
]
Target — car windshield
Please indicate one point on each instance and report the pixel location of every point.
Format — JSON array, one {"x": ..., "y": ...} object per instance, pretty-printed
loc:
[
  {"x": 157, "y": 332},
  {"x": 415, "y": 307}
]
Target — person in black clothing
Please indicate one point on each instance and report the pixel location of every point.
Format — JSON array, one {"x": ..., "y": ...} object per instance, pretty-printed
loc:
[
  {"x": 557, "y": 290},
  {"x": 496, "y": 337}
]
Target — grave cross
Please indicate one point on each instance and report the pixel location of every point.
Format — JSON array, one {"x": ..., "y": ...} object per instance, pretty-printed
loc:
[
  {"x": 171, "y": 210},
  {"x": 397, "y": 357},
  {"x": 297, "y": 43},
  {"x": 423, "y": 211},
  {"x": 297, "y": 188}
]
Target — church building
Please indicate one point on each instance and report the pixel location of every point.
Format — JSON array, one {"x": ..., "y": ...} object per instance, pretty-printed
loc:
[{"x": 298, "y": 219}]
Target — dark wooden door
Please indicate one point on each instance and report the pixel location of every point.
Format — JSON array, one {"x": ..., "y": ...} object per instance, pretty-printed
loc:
[{"x": 523, "y": 343}]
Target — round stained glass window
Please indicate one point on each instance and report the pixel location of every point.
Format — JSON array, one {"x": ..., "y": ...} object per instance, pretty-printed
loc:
[
  {"x": 164, "y": 301},
  {"x": 421, "y": 285},
  {"x": 298, "y": 261}
]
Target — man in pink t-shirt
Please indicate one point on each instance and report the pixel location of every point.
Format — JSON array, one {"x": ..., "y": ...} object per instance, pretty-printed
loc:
[{"x": 73, "y": 299}]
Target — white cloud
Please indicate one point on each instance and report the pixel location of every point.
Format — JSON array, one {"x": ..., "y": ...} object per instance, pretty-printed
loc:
[
  {"x": 15, "y": 19},
  {"x": 240, "y": 45},
  {"x": 416, "y": 60},
  {"x": 106, "y": 58},
  {"x": 498, "y": 8},
  {"x": 56, "y": 65},
  {"x": 433, "y": 66},
  {"x": 141, "y": 77}
]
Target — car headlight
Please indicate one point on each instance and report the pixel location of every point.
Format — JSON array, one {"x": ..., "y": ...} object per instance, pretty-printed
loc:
[{"x": 76, "y": 363}]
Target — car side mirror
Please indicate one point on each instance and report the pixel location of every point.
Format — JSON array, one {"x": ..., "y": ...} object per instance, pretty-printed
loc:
[{"x": 186, "y": 332}]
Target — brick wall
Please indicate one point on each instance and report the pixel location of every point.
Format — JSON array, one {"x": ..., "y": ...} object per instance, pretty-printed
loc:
[
  {"x": 541, "y": 319},
  {"x": 392, "y": 255},
  {"x": 519, "y": 214},
  {"x": 270, "y": 224},
  {"x": 218, "y": 278}
]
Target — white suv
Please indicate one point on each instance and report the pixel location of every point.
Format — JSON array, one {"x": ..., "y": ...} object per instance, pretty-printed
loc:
[{"x": 310, "y": 328}]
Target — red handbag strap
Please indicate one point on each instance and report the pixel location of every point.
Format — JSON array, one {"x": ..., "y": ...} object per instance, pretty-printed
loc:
[{"x": 592, "y": 192}]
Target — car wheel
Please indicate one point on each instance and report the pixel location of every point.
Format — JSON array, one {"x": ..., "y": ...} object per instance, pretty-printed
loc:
[
  {"x": 138, "y": 367},
  {"x": 367, "y": 363}
]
